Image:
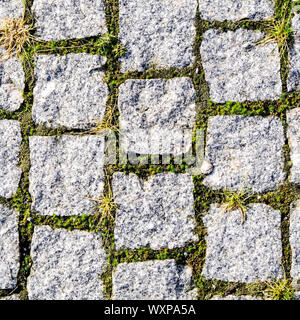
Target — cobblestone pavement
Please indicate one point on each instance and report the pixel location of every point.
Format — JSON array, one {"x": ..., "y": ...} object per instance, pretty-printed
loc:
[{"x": 105, "y": 121}]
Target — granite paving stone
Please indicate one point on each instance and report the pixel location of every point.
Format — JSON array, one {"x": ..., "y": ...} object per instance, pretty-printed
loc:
[
  {"x": 66, "y": 265},
  {"x": 152, "y": 280},
  {"x": 12, "y": 82},
  {"x": 157, "y": 33},
  {"x": 222, "y": 10},
  {"x": 246, "y": 153},
  {"x": 66, "y": 174},
  {"x": 70, "y": 91},
  {"x": 238, "y": 68},
  {"x": 69, "y": 19},
  {"x": 157, "y": 116},
  {"x": 293, "y": 83},
  {"x": 157, "y": 213},
  {"x": 293, "y": 134},
  {"x": 243, "y": 252},
  {"x": 9, "y": 247},
  {"x": 10, "y": 172}
]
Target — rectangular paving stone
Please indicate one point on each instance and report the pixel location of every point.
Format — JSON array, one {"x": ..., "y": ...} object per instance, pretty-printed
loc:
[
  {"x": 157, "y": 116},
  {"x": 152, "y": 280},
  {"x": 157, "y": 33},
  {"x": 294, "y": 242},
  {"x": 10, "y": 173},
  {"x": 293, "y": 82},
  {"x": 9, "y": 247},
  {"x": 12, "y": 82},
  {"x": 245, "y": 152},
  {"x": 66, "y": 174},
  {"x": 237, "y": 68},
  {"x": 293, "y": 119},
  {"x": 66, "y": 265},
  {"x": 157, "y": 213},
  {"x": 11, "y": 9},
  {"x": 69, "y": 19},
  {"x": 248, "y": 252},
  {"x": 222, "y": 10},
  {"x": 69, "y": 91}
]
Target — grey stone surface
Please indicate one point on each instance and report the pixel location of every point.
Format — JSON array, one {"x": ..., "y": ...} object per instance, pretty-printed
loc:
[
  {"x": 9, "y": 247},
  {"x": 296, "y": 24},
  {"x": 66, "y": 265},
  {"x": 10, "y": 173},
  {"x": 68, "y": 19},
  {"x": 157, "y": 116},
  {"x": 157, "y": 33},
  {"x": 247, "y": 252},
  {"x": 157, "y": 213},
  {"x": 11, "y": 9},
  {"x": 66, "y": 174},
  {"x": 294, "y": 76},
  {"x": 231, "y": 297},
  {"x": 293, "y": 133},
  {"x": 221, "y": 10},
  {"x": 246, "y": 153},
  {"x": 12, "y": 82},
  {"x": 12, "y": 297},
  {"x": 297, "y": 295},
  {"x": 237, "y": 68},
  {"x": 294, "y": 242},
  {"x": 69, "y": 91},
  {"x": 152, "y": 280}
]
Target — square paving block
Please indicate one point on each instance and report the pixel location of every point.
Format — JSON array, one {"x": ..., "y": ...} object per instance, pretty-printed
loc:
[
  {"x": 238, "y": 68},
  {"x": 69, "y": 19},
  {"x": 66, "y": 265},
  {"x": 157, "y": 33},
  {"x": 246, "y": 153},
  {"x": 157, "y": 116},
  {"x": 248, "y": 252},
  {"x": 69, "y": 91},
  {"x": 157, "y": 213},
  {"x": 66, "y": 174}
]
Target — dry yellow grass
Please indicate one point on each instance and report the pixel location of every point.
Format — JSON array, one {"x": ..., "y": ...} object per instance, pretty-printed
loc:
[
  {"x": 106, "y": 124},
  {"x": 106, "y": 206},
  {"x": 14, "y": 35}
]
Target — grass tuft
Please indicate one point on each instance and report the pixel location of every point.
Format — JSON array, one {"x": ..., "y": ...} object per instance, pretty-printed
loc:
[
  {"x": 107, "y": 123},
  {"x": 278, "y": 30},
  {"x": 279, "y": 290},
  {"x": 237, "y": 200},
  {"x": 106, "y": 206},
  {"x": 14, "y": 36}
]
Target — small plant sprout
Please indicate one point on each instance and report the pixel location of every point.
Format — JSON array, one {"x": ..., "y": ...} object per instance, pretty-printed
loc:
[
  {"x": 237, "y": 200},
  {"x": 106, "y": 205},
  {"x": 279, "y": 30},
  {"x": 279, "y": 290},
  {"x": 14, "y": 35},
  {"x": 119, "y": 50}
]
